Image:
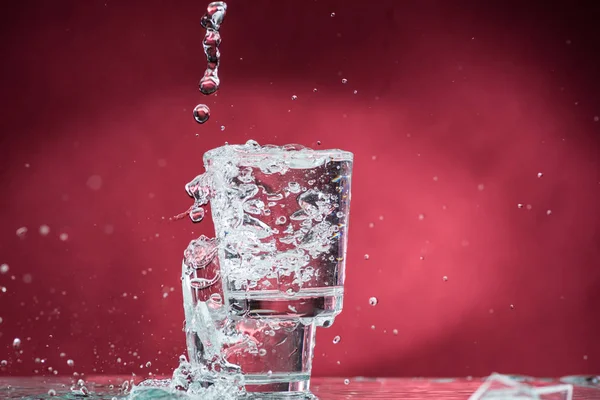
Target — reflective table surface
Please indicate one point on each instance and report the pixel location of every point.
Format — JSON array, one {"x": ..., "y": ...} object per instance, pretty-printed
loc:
[{"x": 109, "y": 387}]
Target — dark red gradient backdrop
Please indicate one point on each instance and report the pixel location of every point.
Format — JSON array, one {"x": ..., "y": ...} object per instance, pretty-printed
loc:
[{"x": 459, "y": 106}]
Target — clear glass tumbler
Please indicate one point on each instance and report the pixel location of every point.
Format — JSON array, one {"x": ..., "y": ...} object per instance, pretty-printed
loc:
[{"x": 281, "y": 222}]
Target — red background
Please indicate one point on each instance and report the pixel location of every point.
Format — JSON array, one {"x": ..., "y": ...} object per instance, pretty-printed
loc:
[{"x": 459, "y": 105}]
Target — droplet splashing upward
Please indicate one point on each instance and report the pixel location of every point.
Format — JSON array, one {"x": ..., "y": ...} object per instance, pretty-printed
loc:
[
  {"x": 201, "y": 113},
  {"x": 211, "y": 21}
]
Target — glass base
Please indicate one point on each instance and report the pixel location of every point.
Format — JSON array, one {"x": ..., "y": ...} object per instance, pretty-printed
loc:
[{"x": 278, "y": 386}]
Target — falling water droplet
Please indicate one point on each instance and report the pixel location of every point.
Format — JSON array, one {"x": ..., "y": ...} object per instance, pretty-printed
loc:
[
  {"x": 262, "y": 352},
  {"x": 201, "y": 113},
  {"x": 548, "y": 212},
  {"x": 346, "y": 381},
  {"x": 16, "y": 343},
  {"x": 336, "y": 340},
  {"x": 445, "y": 278},
  {"x": 148, "y": 364},
  {"x": 355, "y": 92},
  {"x": 44, "y": 230},
  {"x": 366, "y": 256},
  {"x": 208, "y": 85},
  {"x": 512, "y": 306},
  {"x": 4, "y": 268},
  {"x": 344, "y": 81},
  {"x": 373, "y": 301},
  {"x": 395, "y": 331},
  {"x": 294, "y": 97},
  {"x": 421, "y": 217},
  {"x": 3, "y": 363},
  {"x": 70, "y": 363},
  {"x": 222, "y": 128},
  {"x": 215, "y": 13},
  {"x": 332, "y": 15},
  {"x": 540, "y": 174}
]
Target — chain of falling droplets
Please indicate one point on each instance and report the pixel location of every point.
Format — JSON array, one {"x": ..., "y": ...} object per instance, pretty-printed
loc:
[{"x": 211, "y": 21}]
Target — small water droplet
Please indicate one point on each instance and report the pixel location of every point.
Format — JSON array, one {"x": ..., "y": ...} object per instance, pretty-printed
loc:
[
  {"x": 63, "y": 236},
  {"x": 27, "y": 278},
  {"x": 520, "y": 205},
  {"x": 548, "y": 212},
  {"x": 294, "y": 97},
  {"x": 222, "y": 128},
  {"x": 371, "y": 225},
  {"x": 445, "y": 278},
  {"x": 44, "y": 230},
  {"x": 51, "y": 392},
  {"x": 281, "y": 220},
  {"x": 421, "y": 258},
  {"x": 480, "y": 187},
  {"x": 596, "y": 118},
  {"x": 344, "y": 81},
  {"x": 148, "y": 364},
  {"x": 540, "y": 174},
  {"x": 421, "y": 217},
  {"x": 3, "y": 363},
  {"x": 395, "y": 331},
  {"x": 197, "y": 214},
  {"x": 21, "y": 232},
  {"x": 269, "y": 373},
  {"x": 336, "y": 340},
  {"x": 262, "y": 352},
  {"x": 585, "y": 357},
  {"x": 315, "y": 90},
  {"x": 355, "y": 92},
  {"x": 346, "y": 381},
  {"x": 332, "y": 15},
  {"x": 373, "y": 301},
  {"x": 373, "y": 327},
  {"x": 16, "y": 343},
  {"x": 366, "y": 256},
  {"x": 70, "y": 363},
  {"x": 4, "y": 268},
  {"x": 512, "y": 306},
  {"x": 201, "y": 113}
]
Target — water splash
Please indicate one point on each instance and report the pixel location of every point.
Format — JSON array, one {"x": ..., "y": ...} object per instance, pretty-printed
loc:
[{"x": 211, "y": 21}]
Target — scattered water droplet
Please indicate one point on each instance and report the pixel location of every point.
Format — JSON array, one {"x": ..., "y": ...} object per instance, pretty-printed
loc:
[
  {"x": 421, "y": 217},
  {"x": 27, "y": 278},
  {"x": 197, "y": 214},
  {"x": 512, "y": 306},
  {"x": 332, "y": 15},
  {"x": 21, "y": 232},
  {"x": 315, "y": 90},
  {"x": 596, "y": 118},
  {"x": 63, "y": 236},
  {"x": 269, "y": 373},
  {"x": 201, "y": 113},
  {"x": 540, "y": 174},
  {"x": 395, "y": 331},
  {"x": 480, "y": 187},
  {"x": 318, "y": 142},
  {"x": 3, "y": 363},
  {"x": 44, "y": 230},
  {"x": 366, "y": 256},
  {"x": 222, "y": 128},
  {"x": 355, "y": 92},
  {"x": 548, "y": 212},
  {"x": 520, "y": 205},
  {"x": 336, "y": 340},
  {"x": 70, "y": 363},
  {"x": 148, "y": 364},
  {"x": 16, "y": 343},
  {"x": 94, "y": 182},
  {"x": 373, "y": 301},
  {"x": 421, "y": 258},
  {"x": 346, "y": 381},
  {"x": 445, "y": 278},
  {"x": 4, "y": 268},
  {"x": 262, "y": 352},
  {"x": 344, "y": 81},
  {"x": 294, "y": 97},
  {"x": 373, "y": 327},
  {"x": 51, "y": 392},
  {"x": 281, "y": 220},
  {"x": 371, "y": 225}
]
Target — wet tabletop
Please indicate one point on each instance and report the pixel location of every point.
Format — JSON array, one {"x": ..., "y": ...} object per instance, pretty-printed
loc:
[{"x": 325, "y": 388}]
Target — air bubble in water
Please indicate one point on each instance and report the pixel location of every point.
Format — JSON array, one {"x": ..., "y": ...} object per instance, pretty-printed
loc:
[
  {"x": 336, "y": 340},
  {"x": 201, "y": 113},
  {"x": 4, "y": 268},
  {"x": 70, "y": 363},
  {"x": 16, "y": 343},
  {"x": 373, "y": 301}
]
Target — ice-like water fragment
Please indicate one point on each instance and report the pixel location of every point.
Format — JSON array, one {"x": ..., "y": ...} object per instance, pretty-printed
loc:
[{"x": 503, "y": 387}]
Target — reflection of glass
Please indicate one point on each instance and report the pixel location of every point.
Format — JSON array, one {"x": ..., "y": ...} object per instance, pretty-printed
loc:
[{"x": 281, "y": 221}]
